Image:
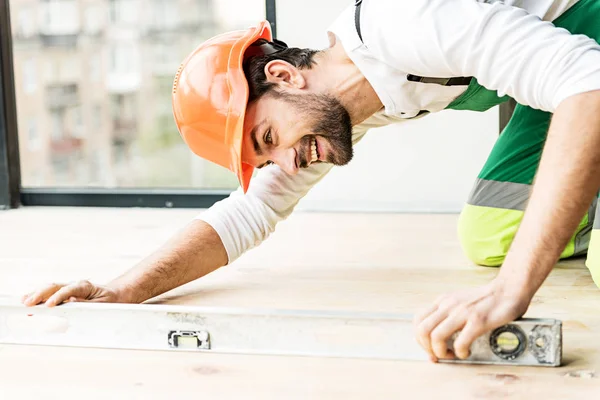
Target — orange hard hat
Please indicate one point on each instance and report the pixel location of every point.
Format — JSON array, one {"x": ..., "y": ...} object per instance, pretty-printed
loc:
[{"x": 210, "y": 95}]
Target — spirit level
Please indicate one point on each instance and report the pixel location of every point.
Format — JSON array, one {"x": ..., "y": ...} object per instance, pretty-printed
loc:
[{"x": 536, "y": 342}]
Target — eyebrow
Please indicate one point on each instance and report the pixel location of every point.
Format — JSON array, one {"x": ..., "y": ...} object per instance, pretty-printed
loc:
[{"x": 253, "y": 133}]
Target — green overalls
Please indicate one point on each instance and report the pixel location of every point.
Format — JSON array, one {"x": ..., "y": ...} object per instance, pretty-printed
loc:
[{"x": 495, "y": 207}]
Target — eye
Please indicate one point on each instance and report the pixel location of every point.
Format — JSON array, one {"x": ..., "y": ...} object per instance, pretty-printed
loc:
[
  {"x": 268, "y": 138},
  {"x": 265, "y": 164}
]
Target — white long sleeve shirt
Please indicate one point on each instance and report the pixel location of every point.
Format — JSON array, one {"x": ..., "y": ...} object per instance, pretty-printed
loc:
[{"x": 509, "y": 46}]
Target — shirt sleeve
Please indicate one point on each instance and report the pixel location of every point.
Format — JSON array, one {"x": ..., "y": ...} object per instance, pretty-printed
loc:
[
  {"x": 243, "y": 221},
  {"x": 506, "y": 48}
]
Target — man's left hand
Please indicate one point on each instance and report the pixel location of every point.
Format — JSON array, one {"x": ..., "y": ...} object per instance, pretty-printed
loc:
[{"x": 473, "y": 312}]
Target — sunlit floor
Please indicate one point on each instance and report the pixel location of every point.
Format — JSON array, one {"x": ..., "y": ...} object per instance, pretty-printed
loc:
[{"x": 365, "y": 262}]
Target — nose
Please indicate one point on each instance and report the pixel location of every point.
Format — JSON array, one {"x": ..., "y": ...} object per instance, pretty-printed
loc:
[{"x": 286, "y": 160}]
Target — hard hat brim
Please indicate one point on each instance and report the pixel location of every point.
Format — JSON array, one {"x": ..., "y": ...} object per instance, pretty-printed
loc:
[
  {"x": 239, "y": 99},
  {"x": 210, "y": 97}
]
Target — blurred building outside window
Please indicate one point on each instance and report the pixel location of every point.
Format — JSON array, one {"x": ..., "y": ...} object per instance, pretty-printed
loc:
[{"x": 93, "y": 89}]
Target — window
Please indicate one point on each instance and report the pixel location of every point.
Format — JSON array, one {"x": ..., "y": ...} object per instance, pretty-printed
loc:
[
  {"x": 165, "y": 15},
  {"x": 29, "y": 76},
  {"x": 78, "y": 126},
  {"x": 94, "y": 18},
  {"x": 33, "y": 135},
  {"x": 125, "y": 12},
  {"x": 51, "y": 71},
  {"x": 61, "y": 169},
  {"x": 37, "y": 177},
  {"x": 61, "y": 17},
  {"x": 57, "y": 130},
  {"x": 95, "y": 68},
  {"x": 26, "y": 23},
  {"x": 96, "y": 117},
  {"x": 123, "y": 58},
  {"x": 113, "y": 11},
  {"x": 70, "y": 68},
  {"x": 102, "y": 109}
]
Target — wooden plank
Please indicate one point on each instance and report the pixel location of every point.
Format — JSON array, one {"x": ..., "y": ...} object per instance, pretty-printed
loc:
[
  {"x": 359, "y": 262},
  {"x": 101, "y": 374}
]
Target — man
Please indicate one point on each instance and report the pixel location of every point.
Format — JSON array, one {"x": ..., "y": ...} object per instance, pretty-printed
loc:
[{"x": 246, "y": 101}]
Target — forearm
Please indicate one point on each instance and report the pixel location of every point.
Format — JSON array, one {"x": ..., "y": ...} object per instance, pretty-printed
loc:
[
  {"x": 567, "y": 180},
  {"x": 194, "y": 252}
]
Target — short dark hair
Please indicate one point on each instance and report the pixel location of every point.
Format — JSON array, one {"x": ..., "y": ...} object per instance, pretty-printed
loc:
[{"x": 254, "y": 68}]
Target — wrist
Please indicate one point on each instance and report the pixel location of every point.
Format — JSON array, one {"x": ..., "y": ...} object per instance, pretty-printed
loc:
[
  {"x": 518, "y": 283},
  {"x": 517, "y": 295},
  {"x": 526, "y": 267},
  {"x": 124, "y": 294}
]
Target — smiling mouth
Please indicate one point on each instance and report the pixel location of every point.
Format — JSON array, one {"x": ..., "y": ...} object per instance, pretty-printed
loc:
[{"x": 314, "y": 151}]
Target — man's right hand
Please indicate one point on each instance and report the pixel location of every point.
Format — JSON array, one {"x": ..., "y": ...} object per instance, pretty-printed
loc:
[{"x": 82, "y": 291}]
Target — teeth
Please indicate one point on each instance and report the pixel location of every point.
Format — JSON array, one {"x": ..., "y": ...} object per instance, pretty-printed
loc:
[{"x": 313, "y": 150}]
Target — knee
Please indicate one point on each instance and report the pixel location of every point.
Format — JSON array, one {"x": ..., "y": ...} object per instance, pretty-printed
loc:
[
  {"x": 593, "y": 257},
  {"x": 594, "y": 269},
  {"x": 486, "y": 233}
]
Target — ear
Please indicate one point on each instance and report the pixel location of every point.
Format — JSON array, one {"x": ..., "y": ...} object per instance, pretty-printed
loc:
[{"x": 284, "y": 74}]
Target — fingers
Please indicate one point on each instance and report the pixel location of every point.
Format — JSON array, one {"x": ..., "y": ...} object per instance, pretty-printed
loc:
[
  {"x": 439, "y": 336},
  {"x": 471, "y": 313},
  {"x": 472, "y": 330},
  {"x": 56, "y": 293},
  {"x": 67, "y": 293},
  {"x": 418, "y": 320},
  {"x": 25, "y": 297},
  {"x": 427, "y": 326},
  {"x": 40, "y": 295}
]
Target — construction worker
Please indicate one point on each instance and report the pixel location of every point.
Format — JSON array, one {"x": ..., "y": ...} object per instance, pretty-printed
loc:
[{"x": 248, "y": 102}]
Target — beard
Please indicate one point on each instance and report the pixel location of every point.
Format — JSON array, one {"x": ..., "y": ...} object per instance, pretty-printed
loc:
[{"x": 330, "y": 120}]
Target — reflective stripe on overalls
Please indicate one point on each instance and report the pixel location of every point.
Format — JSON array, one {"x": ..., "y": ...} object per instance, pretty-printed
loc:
[{"x": 494, "y": 210}]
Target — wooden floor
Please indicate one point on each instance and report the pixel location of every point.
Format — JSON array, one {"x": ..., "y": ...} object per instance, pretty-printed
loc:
[{"x": 365, "y": 262}]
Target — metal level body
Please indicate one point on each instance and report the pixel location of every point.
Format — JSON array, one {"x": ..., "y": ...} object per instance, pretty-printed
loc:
[{"x": 230, "y": 330}]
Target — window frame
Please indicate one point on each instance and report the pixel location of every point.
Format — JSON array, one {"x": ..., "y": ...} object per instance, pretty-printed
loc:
[
  {"x": 14, "y": 195},
  {"x": 10, "y": 166}
]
